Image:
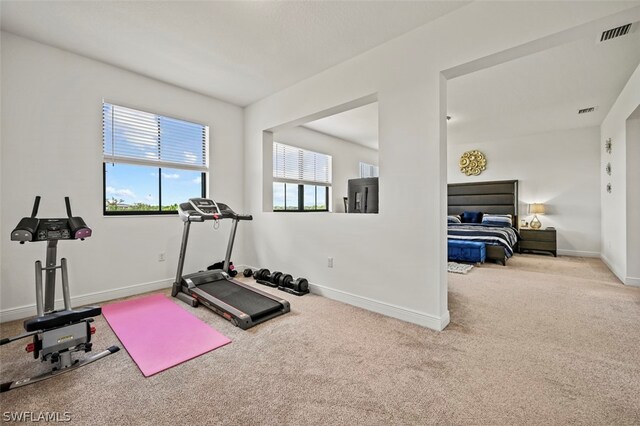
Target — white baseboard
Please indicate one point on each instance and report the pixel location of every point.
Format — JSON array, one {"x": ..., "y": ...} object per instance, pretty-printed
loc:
[
  {"x": 577, "y": 253},
  {"x": 388, "y": 309},
  {"x": 635, "y": 282},
  {"x": 612, "y": 268},
  {"x": 21, "y": 312}
]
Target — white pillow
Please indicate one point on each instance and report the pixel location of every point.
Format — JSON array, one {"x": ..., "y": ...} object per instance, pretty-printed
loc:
[
  {"x": 453, "y": 219},
  {"x": 497, "y": 219}
]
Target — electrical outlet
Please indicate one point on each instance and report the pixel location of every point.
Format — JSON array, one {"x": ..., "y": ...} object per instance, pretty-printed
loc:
[
  {"x": 330, "y": 262},
  {"x": 162, "y": 257}
]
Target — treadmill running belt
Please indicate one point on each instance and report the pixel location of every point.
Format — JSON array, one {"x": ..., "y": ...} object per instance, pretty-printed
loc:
[{"x": 253, "y": 304}]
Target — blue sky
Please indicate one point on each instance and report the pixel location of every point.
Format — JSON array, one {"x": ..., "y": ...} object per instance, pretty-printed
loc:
[{"x": 139, "y": 184}]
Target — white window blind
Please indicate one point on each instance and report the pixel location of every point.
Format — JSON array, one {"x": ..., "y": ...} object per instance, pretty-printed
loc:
[
  {"x": 297, "y": 165},
  {"x": 138, "y": 137},
  {"x": 368, "y": 170}
]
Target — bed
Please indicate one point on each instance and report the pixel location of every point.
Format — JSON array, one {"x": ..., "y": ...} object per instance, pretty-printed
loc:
[{"x": 496, "y": 198}]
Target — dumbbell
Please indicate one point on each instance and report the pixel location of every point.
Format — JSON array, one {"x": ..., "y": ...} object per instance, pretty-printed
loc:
[
  {"x": 274, "y": 277},
  {"x": 267, "y": 279},
  {"x": 247, "y": 272},
  {"x": 262, "y": 274},
  {"x": 301, "y": 285},
  {"x": 284, "y": 280}
]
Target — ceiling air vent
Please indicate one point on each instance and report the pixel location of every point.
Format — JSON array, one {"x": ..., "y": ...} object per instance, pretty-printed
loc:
[
  {"x": 586, "y": 110},
  {"x": 615, "y": 32}
]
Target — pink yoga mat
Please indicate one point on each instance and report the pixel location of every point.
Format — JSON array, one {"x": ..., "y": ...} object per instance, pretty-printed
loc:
[{"x": 159, "y": 334}]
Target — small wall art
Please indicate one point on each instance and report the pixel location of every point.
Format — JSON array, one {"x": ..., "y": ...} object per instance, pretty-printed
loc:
[{"x": 473, "y": 163}]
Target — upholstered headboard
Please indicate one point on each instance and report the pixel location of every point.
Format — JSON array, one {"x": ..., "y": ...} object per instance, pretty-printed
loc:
[{"x": 497, "y": 197}]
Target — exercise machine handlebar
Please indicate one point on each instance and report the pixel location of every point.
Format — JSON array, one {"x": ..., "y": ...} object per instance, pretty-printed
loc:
[
  {"x": 68, "y": 205},
  {"x": 36, "y": 205}
]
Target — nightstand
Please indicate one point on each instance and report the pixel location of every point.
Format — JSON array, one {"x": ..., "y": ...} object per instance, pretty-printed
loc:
[{"x": 538, "y": 240}]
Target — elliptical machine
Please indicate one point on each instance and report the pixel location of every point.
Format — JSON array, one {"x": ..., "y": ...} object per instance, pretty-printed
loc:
[{"x": 56, "y": 334}]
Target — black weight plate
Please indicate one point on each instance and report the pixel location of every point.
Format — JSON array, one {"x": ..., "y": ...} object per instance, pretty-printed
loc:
[
  {"x": 274, "y": 277},
  {"x": 265, "y": 274},
  {"x": 286, "y": 280},
  {"x": 262, "y": 274},
  {"x": 301, "y": 284}
]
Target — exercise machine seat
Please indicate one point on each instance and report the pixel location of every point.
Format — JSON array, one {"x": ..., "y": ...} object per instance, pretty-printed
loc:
[{"x": 60, "y": 318}]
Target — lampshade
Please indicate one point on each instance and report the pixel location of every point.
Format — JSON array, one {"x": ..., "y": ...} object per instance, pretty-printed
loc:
[{"x": 536, "y": 208}]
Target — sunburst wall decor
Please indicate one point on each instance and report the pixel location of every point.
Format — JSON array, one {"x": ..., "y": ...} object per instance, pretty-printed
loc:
[{"x": 473, "y": 163}]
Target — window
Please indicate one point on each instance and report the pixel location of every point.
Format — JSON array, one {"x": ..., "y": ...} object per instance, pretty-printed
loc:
[
  {"x": 368, "y": 170},
  {"x": 301, "y": 179},
  {"x": 151, "y": 163}
]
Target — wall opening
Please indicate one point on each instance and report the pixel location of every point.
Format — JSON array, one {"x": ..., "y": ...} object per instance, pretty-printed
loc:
[{"x": 311, "y": 164}]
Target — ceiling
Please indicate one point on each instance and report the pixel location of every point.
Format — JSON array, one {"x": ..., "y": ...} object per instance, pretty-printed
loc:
[
  {"x": 242, "y": 51},
  {"x": 541, "y": 92},
  {"x": 237, "y": 51},
  {"x": 358, "y": 125},
  {"x": 535, "y": 94}
]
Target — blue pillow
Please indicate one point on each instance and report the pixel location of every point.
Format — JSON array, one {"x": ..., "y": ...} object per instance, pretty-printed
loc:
[
  {"x": 472, "y": 217},
  {"x": 453, "y": 219}
]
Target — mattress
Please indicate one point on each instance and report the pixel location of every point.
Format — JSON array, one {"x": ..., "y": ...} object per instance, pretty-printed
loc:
[{"x": 494, "y": 235}]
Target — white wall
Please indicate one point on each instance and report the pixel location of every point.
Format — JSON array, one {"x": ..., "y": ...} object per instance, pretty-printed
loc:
[
  {"x": 345, "y": 161},
  {"x": 618, "y": 208},
  {"x": 52, "y": 146},
  {"x": 633, "y": 198},
  {"x": 560, "y": 169},
  {"x": 1, "y": 150},
  {"x": 393, "y": 262}
]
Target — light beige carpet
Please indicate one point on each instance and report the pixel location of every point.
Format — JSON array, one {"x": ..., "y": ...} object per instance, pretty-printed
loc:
[{"x": 542, "y": 341}]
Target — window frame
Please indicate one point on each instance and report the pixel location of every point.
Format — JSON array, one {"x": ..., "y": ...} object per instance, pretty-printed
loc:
[
  {"x": 105, "y": 212},
  {"x": 301, "y": 184},
  {"x": 301, "y": 208},
  {"x": 136, "y": 162}
]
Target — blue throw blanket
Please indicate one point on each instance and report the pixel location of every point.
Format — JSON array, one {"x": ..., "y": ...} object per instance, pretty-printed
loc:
[{"x": 493, "y": 235}]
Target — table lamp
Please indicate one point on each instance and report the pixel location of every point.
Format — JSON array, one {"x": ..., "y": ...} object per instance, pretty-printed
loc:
[{"x": 536, "y": 209}]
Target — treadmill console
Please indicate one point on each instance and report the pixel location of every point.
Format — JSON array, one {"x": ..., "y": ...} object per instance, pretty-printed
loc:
[
  {"x": 203, "y": 209},
  {"x": 199, "y": 210},
  {"x": 205, "y": 206}
]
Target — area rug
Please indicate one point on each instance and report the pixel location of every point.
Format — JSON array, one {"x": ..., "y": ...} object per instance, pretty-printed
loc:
[
  {"x": 458, "y": 268},
  {"x": 159, "y": 334}
]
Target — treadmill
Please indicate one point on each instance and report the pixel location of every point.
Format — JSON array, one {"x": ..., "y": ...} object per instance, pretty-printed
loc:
[{"x": 235, "y": 301}]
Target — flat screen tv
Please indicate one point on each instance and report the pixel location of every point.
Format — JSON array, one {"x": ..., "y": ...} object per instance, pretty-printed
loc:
[{"x": 363, "y": 195}]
